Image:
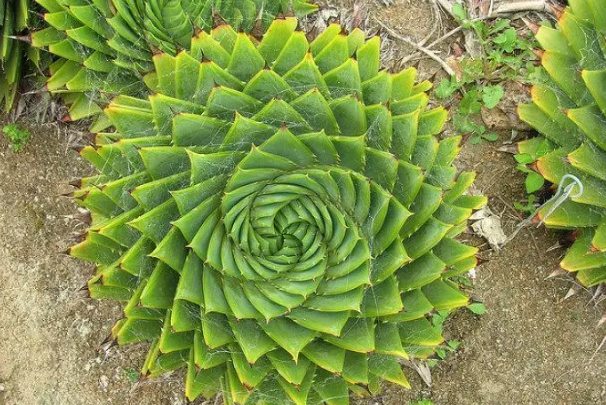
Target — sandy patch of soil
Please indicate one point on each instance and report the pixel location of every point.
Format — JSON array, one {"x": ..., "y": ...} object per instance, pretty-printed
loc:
[{"x": 50, "y": 333}]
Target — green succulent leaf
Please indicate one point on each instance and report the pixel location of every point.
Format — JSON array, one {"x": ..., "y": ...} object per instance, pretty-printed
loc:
[{"x": 491, "y": 95}]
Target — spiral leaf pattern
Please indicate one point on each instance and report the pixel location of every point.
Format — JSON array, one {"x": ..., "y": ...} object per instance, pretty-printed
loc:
[
  {"x": 570, "y": 113},
  {"x": 279, "y": 217}
]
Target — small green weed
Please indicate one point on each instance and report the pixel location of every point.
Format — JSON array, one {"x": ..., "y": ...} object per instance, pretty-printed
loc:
[
  {"x": 477, "y": 308},
  {"x": 463, "y": 280},
  {"x": 422, "y": 402},
  {"x": 505, "y": 56},
  {"x": 528, "y": 207},
  {"x": 534, "y": 181},
  {"x": 451, "y": 346},
  {"x": 17, "y": 137},
  {"x": 132, "y": 374},
  {"x": 439, "y": 318}
]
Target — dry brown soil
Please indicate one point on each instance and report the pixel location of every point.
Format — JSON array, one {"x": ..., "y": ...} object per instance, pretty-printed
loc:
[{"x": 530, "y": 348}]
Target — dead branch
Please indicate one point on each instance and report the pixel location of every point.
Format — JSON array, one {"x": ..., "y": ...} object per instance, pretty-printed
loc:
[
  {"x": 540, "y": 6},
  {"x": 507, "y": 8}
]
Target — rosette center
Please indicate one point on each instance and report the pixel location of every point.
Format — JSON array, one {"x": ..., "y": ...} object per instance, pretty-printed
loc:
[{"x": 288, "y": 226}]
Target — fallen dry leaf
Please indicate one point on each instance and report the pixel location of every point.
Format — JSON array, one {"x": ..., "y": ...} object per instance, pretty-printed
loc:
[{"x": 488, "y": 225}]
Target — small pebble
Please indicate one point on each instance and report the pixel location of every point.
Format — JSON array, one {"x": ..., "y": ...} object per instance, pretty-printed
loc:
[{"x": 103, "y": 382}]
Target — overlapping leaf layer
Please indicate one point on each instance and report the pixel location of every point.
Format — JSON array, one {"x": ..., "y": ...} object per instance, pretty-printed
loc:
[
  {"x": 103, "y": 45},
  {"x": 570, "y": 113},
  {"x": 279, "y": 217}
]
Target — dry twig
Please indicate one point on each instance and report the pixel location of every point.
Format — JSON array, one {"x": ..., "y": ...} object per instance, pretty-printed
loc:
[{"x": 426, "y": 51}]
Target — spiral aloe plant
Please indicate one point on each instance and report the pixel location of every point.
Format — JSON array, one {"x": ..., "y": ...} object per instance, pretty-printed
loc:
[
  {"x": 13, "y": 21},
  {"x": 279, "y": 218},
  {"x": 570, "y": 114},
  {"x": 103, "y": 45}
]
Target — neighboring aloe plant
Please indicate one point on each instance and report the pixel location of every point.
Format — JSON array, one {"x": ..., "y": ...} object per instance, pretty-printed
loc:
[
  {"x": 570, "y": 113},
  {"x": 104, "y": 45},
  {"x": 278, "y": 217},
  {"x": 13, "y": 21}
]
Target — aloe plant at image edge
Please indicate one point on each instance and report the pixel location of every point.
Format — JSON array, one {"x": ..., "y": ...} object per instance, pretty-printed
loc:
[
  {"x": 13, "y": 21},
  {"x": 570, "y": 113},
  {"x": 104, "y": 46},
  {"x": 278, "y": 217}
]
